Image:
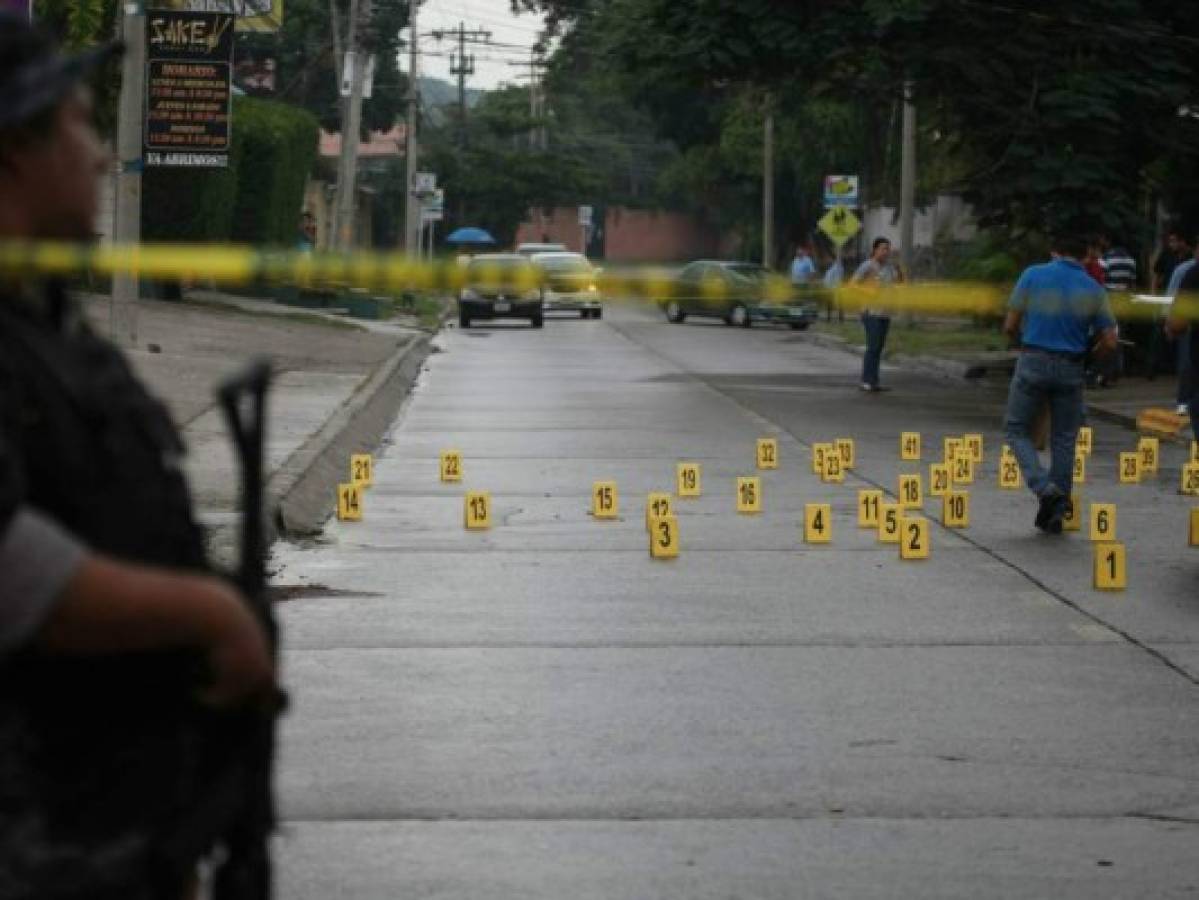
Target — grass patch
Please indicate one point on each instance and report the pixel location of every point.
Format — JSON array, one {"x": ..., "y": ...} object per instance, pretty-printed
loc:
[
  {"x": 924, "y": 338},
  {"x": 297, "y": 317}
]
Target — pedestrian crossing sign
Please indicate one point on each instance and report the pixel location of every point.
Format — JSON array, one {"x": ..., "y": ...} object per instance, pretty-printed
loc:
[{"x": 840, "y": 224}]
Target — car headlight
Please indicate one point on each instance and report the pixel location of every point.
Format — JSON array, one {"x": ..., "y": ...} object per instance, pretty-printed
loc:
[
  {"x": 468, "y": 294},
  {"x": 592, "y": 288}
]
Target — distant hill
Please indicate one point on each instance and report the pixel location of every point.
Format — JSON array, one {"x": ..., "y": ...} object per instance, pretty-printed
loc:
[{"x": 437, "y": 92}]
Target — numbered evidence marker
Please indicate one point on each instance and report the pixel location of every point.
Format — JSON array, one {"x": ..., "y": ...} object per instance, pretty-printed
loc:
[
  {"x": 768, "y": 453},
  {"x": 889, "y": 515},
  {"x": 1080, "y": 467},
  {"x": 848, "y": 451},
  {"x": 477, "y": 505},
  {"x": 911, "y": 492},
  {"x": 362, "y": 469},
  {"x": 1103, "y": 521},
  {"x": 819, "y": 452},
  {"x": 349, "y": 502},
  {"x": 869, "y": 503},
  {"x": 938, "y": 479},
  {"x": 1073, "y": 518},
  {"x": 1149, "y": 448},
  {"x": 1111, "y": 566},
  {"x": 664, "y": 537},
  {"x": 657, "y": 506},
  {"x": 749, "y": 495},
  {"x": 1195, "y": 451},
  {"x": 962, "y": 471},
  {"x": 1010, "y": 478},
  {"x": 952, "y": 448},
  {"x": 1085, "y": 440},
  {"x": 1194, "y": 535},
  {"x": 605, "y": 502},
  {"x": 974, "y": 446},
  {"x": 834, "y": 470},
  {"x": 451, "y": 466},
  {"x": 818, "y": 523},
  {"x": 690, "y": 484},
  {"x": 1189, "y": 482},
  {"x": 1130, "y": 468},
  {"x": 955, "y": 509},
  {"x": 909, "y": 445},
  {"x": 914, "y": 542}
]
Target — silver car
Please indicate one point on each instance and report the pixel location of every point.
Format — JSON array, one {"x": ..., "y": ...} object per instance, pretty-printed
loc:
[{"x": 569, "y": 284}]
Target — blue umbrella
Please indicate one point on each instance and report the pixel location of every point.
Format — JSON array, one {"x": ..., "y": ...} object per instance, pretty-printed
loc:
[{"x": 470, "y": 236}]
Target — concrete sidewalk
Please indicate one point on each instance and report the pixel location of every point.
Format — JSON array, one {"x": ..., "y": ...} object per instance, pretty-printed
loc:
[{"x": 337, "y": 387}]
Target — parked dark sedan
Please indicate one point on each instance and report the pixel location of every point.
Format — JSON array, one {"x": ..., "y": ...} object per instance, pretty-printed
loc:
[
  {"x": 734, "y": 292},
  {"x": 500, "y": 286}
]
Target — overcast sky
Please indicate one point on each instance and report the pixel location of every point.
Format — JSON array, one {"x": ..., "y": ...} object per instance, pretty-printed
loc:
[{"x": 492, "y": 63}]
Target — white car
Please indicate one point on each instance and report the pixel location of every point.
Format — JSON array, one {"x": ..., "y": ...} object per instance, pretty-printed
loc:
[
  {"x": 569, "y": 284},
  {"x": 531, "y": 249}
]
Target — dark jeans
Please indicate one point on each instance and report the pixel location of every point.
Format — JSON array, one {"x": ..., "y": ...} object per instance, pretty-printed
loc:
[
  {"x": 1186, "y": 375},
  {"x": 1041, "y": 379},
  {"x": 876, "y": 338}
]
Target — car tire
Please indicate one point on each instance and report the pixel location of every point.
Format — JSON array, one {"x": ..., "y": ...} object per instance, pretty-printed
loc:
[
  {"x": 463, "y": 320},
  {"x": 597, "y": 314},
  {"x": 739, "y": 315},
  {"x": 674, "y": 313},
  {"x": 537, "y": 321},
  {"x": 800, "y": 326}
]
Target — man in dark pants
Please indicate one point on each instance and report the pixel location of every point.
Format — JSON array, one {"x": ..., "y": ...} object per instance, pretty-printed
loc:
[
  {"x": 1052, "y": 311},
  {"x": 107, "y": 608},
  {"x": 876, "y": 274},
  {"x": 1183, "y": 325}
]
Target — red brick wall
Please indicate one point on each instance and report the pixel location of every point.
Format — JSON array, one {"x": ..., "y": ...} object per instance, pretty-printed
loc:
[{"x": 633, "y": 235}]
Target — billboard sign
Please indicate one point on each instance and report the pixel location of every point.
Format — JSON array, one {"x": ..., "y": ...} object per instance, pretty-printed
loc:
[
  {"x": 189, "y": 72},
  {"x": 840, "y": 190},
  {"x": 260, "y": 16}
]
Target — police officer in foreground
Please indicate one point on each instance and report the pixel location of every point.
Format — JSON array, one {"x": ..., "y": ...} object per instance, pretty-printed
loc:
[{"x": 107, "y": 609}]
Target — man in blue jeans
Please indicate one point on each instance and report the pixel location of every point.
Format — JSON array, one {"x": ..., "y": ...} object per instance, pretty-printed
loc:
[
  {"x": 876, "y": 274},
  {"x": 1183, "y": 325},
  {"x": 1052, "y": 310}
]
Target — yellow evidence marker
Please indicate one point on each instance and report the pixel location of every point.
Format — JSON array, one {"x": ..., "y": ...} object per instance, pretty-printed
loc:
[
  {"x": 1085, "y": 440},
  {"x": 1150, "y": 449},
  {"x": 349, "y": 502},
  {"x": 963, "y": 469},
  {"x": 1111, "y": 566},
  {"x": 1194, "y": 535},
  {"x": 938, "y": 479},
  {"x": 1189, "y": 482},
  {"x": 477, "y": 506},
  {"x": 889, "y": 516},
  {"x": 605, "y": 501},
  {"x": 1080, "y": 468},
  {"x": 869, "y": 503},
  {"x": 657, "y": 506},
  {"x": 834, "y": 471},
  {"x": 1072, "y": 521},
  {"x": 690, "y": 483},
  {"x": 768, "y": 453},
  {"x": 953, "y": 448},
  {"x": 451, "y": 466},
  {"x": 749, "y": 495},
  {"x": 1195, "y": 451},
  {"x": 909, "y": 445},
  {"x": 974, "y": 446},
  {"x": 362, "y": 469},
  {"x": 914, "y": 540},
  {"x": 1130, "y": 468},
  {"x": 911, "y": 492},
  {"x": 818, "y": 523},
  {"x": 955, "y": 509},
  {"x": 664, "y": 538},
  {"x": 1010, "y": 478},
  {"x": 1103, "y": 521},
  {"x": 818, "y": 453},
  {"x": 848, "y": 451}
]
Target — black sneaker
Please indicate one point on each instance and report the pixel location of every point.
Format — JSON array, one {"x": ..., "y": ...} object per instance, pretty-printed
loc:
[{"x": 1052, "y": 511}]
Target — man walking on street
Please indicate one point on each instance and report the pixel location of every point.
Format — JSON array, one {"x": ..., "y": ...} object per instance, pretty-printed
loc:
[
  {"x": 876, "y": 274},
  {"x": 107, "y": 608},
  {"x": 1053, "y": 310},
  {"x": 1183, "y": 325},
  {"x": 1182, "y": 340},
  {"x": 803, "y": 270}
]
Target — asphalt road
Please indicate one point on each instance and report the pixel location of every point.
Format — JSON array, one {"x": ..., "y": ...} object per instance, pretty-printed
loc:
[{"x": 542, "y": 711}]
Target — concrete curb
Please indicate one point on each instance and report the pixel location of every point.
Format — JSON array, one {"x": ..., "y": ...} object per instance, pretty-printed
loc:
[
  {"x": 929, "y": 365},
  {"x": 302, "y": 489}
]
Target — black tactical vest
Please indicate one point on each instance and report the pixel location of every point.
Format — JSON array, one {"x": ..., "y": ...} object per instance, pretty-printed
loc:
[{"x": 96, "y": 755}]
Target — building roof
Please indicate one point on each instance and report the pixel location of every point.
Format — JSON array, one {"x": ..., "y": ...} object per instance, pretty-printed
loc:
[{"x": 382, "y": 144}]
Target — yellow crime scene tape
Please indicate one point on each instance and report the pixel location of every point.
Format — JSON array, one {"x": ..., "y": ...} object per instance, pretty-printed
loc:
[{"x": 234, "y": 265}]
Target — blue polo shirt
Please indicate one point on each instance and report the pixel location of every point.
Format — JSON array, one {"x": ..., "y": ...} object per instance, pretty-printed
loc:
[{"x": 1062, "y": 306}]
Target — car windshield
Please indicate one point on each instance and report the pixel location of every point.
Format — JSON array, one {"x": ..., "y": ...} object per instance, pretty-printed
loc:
[
  {"x": 568, "y": 265},
  {"x": 496, "y": 270},
  {"x": 749, "y": 271}
]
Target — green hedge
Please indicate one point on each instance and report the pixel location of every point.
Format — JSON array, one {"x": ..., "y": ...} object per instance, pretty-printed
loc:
[{"x": 256, "y": 200}]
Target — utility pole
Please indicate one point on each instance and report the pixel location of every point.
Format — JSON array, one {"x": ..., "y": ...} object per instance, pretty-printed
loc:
[
  {"x": 127, "y": 225},
  {"x": 537, "y": 130},
  {"x": 351, "y": 124},
  {"x": 462, "y": 64},
  {"x": 411, "y": 202},
  {"x": 907, "y": 182},
  {"x": 768, "y": 185}
]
